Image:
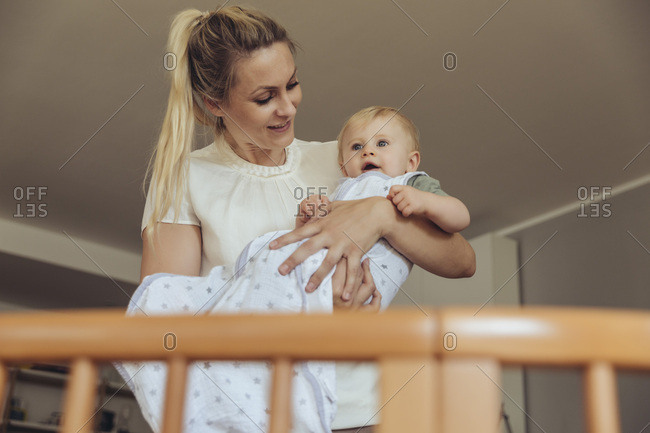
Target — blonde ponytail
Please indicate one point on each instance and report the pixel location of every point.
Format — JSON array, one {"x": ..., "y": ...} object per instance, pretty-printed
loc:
[{"x": 169, "y": 173}]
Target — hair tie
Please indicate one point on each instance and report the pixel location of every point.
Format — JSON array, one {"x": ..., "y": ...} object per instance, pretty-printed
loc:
[{"x": 203, "y": 17}]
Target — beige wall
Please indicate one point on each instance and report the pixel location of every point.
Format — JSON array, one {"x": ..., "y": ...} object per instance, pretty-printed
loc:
[{"x": 589, "y": 262}]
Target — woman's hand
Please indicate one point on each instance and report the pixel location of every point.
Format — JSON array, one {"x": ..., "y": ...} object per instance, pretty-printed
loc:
[
  {"x": 367, "y": 290},
  {"x": 313, "y": 208},
  {"x": 349, "y": 231}
]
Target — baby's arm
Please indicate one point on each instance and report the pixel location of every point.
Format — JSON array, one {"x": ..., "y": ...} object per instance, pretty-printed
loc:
[
  {"x": 448, "y": 213},
  {"x": 312, "y": 208}
]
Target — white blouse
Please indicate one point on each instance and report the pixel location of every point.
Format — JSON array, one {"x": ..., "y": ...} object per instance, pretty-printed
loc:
[{"x": 234, "y": 201}]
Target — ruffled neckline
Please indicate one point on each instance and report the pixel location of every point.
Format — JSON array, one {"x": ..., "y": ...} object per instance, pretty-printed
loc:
[{"x": 230, "y": 158}]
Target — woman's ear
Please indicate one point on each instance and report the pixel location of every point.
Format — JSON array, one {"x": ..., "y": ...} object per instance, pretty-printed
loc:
[
  {"x": 414, "y": 161},
  {"x": 213, "y": 106}
]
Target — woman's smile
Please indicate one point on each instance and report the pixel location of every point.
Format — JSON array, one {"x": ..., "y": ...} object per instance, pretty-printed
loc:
[{"x": 281, "y": 127}]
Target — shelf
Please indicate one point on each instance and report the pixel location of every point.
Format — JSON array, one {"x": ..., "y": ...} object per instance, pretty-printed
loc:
[
  {"x": 26, "y": 425},
  {"x": 60, "y": 379},
  {"x": 41, "y": 376},
  {"x": 106, "y": 389}
]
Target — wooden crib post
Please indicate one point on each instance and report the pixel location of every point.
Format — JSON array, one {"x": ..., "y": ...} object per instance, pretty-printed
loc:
[
  {"x": 175, "y": 395},
  {"x": 280, "y": 419},
  {"x": 468, "y": 388},
  {"x": 4, "y": 394},
  {"x": 601, "y": 398},
  {"x": 80, "y": 397},
  {"x": 409, "y": 399}
]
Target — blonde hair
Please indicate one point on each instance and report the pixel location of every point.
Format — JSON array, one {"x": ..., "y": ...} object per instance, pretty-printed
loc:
[
  {"x": 371, "y": 113},
  {"x": 207, "y": 47}
]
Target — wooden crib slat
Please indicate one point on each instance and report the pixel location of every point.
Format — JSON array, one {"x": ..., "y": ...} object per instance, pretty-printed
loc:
[
  {"x": 280, "y": 418},
  {"x": 4, "y": 382},
  {"x": 472, "y": 401},
  {"x": 408, "y": 395},
  {"x": 80, "y": 397},
  {"x": 601, "y": 398},
  {"x": 175, "y": 395}
]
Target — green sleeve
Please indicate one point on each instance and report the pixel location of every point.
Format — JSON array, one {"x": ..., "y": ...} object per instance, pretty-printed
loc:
[{"x": 426, "y": 183}]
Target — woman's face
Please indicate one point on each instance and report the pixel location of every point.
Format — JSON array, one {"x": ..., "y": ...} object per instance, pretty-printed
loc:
[{"x": 263, "y": 101}]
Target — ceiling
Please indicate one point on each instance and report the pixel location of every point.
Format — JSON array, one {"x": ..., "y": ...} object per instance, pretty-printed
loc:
[{"x": 545, "y": 97}]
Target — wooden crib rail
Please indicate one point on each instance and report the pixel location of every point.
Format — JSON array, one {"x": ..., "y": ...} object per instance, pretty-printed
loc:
[
  {"x": 107, "y": 335},
  {"x": 437, "y": 366},
  {"x": 551, "y": 336}
]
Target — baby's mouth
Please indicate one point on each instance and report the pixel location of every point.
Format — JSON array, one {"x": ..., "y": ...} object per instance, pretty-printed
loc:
[{"x": 369, "y": 167}]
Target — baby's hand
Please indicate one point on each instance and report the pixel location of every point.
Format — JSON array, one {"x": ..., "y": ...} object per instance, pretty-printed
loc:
[
  {"x": 314, "y": 207},
  {"x": 408, "y": 200}
]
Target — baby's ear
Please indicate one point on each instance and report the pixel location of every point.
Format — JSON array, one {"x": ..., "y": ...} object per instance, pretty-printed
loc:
[{"x": 414, "y": 161}]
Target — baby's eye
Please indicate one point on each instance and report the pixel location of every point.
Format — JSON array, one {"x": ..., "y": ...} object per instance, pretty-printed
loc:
[
  {"x": 382, "y": 143},
  {"x": 356, "y": 146}
]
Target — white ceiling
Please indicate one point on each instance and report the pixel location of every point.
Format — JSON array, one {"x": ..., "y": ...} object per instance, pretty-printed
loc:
[{"x": 546, "y": 97}]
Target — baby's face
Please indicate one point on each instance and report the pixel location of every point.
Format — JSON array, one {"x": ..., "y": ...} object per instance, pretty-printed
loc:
[{"x": 387, "y": 151}]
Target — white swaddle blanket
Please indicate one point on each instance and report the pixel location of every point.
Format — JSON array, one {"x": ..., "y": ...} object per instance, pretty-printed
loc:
[{"x": 225, "y": 396}]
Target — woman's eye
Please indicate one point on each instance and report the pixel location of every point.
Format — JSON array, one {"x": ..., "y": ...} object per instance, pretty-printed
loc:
[
  {"x": 290, "y": 86},
  {"x": 263, "y": 101}
]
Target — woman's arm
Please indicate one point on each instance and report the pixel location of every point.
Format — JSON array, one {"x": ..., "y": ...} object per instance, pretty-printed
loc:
[
  {"x": 352, "y": 227},
  {"x": 178, "y": 250}
]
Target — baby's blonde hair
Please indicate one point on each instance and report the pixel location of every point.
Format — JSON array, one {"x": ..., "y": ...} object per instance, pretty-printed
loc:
[{"x": 371, "y": 113}]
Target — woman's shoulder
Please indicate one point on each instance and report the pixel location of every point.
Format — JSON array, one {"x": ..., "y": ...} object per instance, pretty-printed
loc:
[
  {"x": 204, "y": 152},
  {"x": 210, "y": 157},
  {"x": 299, "y": 142},
  {"x": 324, "y": 149},
  {"x": 211, "y": 152},
  {"x": 304, "y": 156}
]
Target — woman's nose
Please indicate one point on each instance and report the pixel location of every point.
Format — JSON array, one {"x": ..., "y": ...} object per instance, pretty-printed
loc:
[{"x": 286, "y": 108}]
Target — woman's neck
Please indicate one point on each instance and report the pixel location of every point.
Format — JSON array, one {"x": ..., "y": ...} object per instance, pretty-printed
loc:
[{"x": 256, "y": 155}]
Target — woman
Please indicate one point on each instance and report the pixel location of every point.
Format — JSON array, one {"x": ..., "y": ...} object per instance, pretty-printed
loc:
[{"x": 236, "y": 74}]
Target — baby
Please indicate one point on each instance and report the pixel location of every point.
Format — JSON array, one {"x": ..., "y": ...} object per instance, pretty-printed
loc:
[
  {"x": 378, "y": 151},
  {"x": 382, "y": 140}
]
